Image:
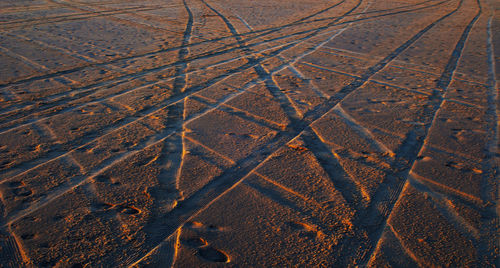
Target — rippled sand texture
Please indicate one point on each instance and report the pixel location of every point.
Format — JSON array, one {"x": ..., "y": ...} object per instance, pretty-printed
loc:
[{"x": 194, "y": 133}]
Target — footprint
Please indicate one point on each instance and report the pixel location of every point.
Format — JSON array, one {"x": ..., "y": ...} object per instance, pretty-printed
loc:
[
  {"x": 57, "y": 217},
  {"x": 105, "y": 179},
  {"x": 102, "y": 178},
  {"x": 15, "y": 184},
  {"x": 27, "y": 236},
  {"x": 243, "y": 136},
  {"x": 454, "y": 165},
  {"x": 107, "y": 207},
  {"x": 205, "y": 250},
  {"x": 212, "y": 254},
  {"x": 306, "y": 230},
  {"x": 199, "y": 225},
  {"x": 195, "y": 225},
  {"x": 196, "y": 242},
  {"x": 145, "y": 160},
  {"x": 101, "y": 206},
  {"x": 424, "y": 158},
  {"x": 463, "y": 167},
  {"x": 301, "y": 226},
  {"x": 128, "y": 210},
  {"x": 19, "y": 189},
  {"x": 4, "y": 163},
  {"x": 458, "y": 133},
  {"x": 22, "y": 191},
  {"x": 298, "y": 147}
]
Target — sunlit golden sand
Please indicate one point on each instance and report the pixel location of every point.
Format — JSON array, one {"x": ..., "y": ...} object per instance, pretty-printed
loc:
[{"x": 195, "y": 133}]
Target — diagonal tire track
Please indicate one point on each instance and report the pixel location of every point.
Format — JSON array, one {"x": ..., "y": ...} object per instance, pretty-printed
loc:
[
  {"x": 234, "y": 176},
  {"x": 126, "y": 123},
  {"x": 110, "y": 162},
  {"x": 228, "y": 47},
  {"x": 225, "y": 183},
  {"x": 82, "y": 16},
  {"x": 443, "y": 83},
  {"x": 171, "y": 102}
]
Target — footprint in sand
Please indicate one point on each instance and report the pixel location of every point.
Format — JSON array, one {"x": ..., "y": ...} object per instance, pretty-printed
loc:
[
  {"x": 106, "y": 179},
  {"x": 129, "y": 210},
  {"x": 212, "y": 254},
  {"x": 4, "y": 163},
  {"x": 306, "y": 230},
  {"x": 27, "y": 236},
  {"x": 463, "y": 167},
  {"x": 122, "y": 209},
  {"x": 205, "y": 250},
  {"x": 14, "y": 184},
  {"x": 200, "y": 226},
  {"x": 101, "y": 207},
  {"x": 23, "y": 191},
  {"x": 19, "y": 189},
  {"x": 196, "y": 242}
]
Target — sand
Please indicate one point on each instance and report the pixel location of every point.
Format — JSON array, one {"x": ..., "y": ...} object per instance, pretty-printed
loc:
[{"x": 211, "y": 133}]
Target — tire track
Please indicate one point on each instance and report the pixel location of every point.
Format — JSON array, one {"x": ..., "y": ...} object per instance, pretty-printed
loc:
[
  {"x": 491, "y": 165},
  {"x": 87, "y": 90},
  {"x": 160, "y": 137},
  {"x": 225, "y": 183},
  {"x": 443, "y": 82},
  {"x": 101, "y": 84},
  {"x": 180, "y": 72},
  {"x": 232, "y": 177},
  {"x": 179, "y": 87},
  {"x": 125, "y": 77},
  {"x": 108, "y": 164},
  {"x": 214, "y": 52},
  {"x": 44, "y": 19},
  {"x": 446, "y": 77},
  {"x": 493, "y": 99},
  {"x": 126, "y": 123},
  {"x": 81, "y": 17}
]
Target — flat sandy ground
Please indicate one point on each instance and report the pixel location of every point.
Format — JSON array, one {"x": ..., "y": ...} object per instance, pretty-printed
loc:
[{"x": 237, "y": 133}]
